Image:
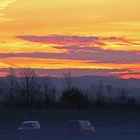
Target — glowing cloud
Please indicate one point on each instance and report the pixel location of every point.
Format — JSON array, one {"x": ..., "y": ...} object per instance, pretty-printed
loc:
[
  {"x": 5, "y": 3},
  {"x": 73, "y": 40},
  {"x": 106, "y": 43}
]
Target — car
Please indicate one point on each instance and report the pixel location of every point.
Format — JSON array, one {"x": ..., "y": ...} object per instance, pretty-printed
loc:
[
  {"x": 79, "y": 126},
  {"x": 29, "y": 125}
]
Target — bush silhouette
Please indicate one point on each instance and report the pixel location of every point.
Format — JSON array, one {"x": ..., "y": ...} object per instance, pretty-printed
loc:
[{"x": 74, "y": 98}]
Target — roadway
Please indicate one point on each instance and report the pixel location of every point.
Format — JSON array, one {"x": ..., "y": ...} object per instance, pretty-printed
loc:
[{"x": 102, "y": 133}]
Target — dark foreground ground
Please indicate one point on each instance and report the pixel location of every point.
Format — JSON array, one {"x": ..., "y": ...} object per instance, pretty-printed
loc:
[
  {"x": 109, "y": 124},
  {"x": 104, "y": 133}
]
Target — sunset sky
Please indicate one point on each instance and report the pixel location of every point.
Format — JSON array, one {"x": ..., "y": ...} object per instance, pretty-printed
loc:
[{"x": 90, "y": 37}]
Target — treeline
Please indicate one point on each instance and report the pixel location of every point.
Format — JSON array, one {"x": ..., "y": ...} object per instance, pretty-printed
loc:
[{"x": 29, "y": 91}]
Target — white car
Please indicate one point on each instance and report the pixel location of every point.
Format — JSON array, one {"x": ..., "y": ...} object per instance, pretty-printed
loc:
[
  {"x": 29, "y": 125},
  {"x": 78, "y": 126}
]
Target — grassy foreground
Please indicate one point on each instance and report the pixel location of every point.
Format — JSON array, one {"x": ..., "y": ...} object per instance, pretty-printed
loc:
[{"x": 58, "y": 118}]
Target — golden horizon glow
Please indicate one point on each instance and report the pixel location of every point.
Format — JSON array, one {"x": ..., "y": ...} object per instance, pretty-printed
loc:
[{"x": 15, "y": 62}]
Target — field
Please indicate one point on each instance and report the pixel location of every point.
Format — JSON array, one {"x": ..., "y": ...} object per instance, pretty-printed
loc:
[
  {"x": 58, "y": 118},
  {"x": 109, "y": 124}
]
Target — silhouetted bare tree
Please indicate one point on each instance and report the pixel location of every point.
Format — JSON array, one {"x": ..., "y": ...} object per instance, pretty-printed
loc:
[
  {"x": 53, "y": 93},
  {"x": 68, "y": 78},
  {"x": 99, "y": 95},
  {"x": 11, "y": 85},
  {"x": 47, "y": 85},
  {"x": 109, "y": 89},
  {"x": 30, "y": 83},
  {"x": 123, "y": 98}
]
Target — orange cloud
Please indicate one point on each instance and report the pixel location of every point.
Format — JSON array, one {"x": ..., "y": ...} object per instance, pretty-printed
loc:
[
  {"x": 129, "y": 76},
  {"x": 3, "y": 74}
]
